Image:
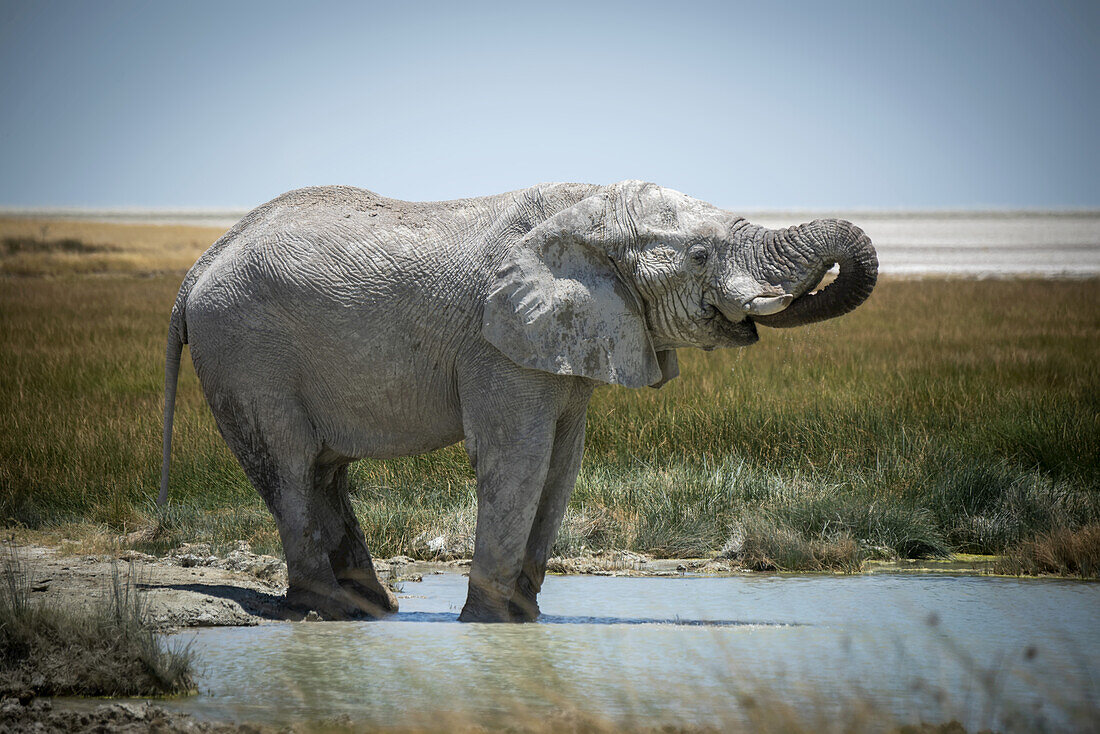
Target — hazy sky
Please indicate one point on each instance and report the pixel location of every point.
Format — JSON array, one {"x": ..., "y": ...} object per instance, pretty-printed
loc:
[{"x": 779, "y": 105}]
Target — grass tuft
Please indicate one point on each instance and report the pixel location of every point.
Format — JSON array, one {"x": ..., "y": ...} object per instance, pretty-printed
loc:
[
  {"x": 1064, "y": 551},
  {"x": 105, "y": 649}
]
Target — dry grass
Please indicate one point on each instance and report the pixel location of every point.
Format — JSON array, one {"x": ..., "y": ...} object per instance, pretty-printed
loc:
[
  {"x": 771, "y": 546},
  {"x": 1062, "y": 551},
  {"x": 942, "y": 415},
  {"x": 101, "y": 650},
  {"x": 63, "y": 247}
]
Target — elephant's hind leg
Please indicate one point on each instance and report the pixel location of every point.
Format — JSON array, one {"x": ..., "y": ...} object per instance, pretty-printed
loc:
[
  {"x": 279, "y": 453},
  {"x": 348, "y": 555}
]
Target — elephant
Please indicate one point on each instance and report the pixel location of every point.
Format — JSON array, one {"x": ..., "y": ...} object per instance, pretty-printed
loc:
[{"x": 333, "y": 324}]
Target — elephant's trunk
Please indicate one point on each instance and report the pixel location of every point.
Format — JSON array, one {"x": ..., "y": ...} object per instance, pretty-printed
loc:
[{"x": 807, "y": 252}]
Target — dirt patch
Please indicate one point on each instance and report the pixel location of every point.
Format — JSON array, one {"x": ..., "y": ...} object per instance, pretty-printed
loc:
[
  {"x": 628, "y": 563},
  {"x": 40, "y": 715},
  {"x": 177, "y": 592}
]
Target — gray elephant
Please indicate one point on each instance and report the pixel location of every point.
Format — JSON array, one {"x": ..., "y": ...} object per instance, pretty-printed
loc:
[{"x": 333, "y": 324}]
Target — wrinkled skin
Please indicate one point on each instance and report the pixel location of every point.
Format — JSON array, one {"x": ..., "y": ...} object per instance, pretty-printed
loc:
[{"x": 333, "y": 324}]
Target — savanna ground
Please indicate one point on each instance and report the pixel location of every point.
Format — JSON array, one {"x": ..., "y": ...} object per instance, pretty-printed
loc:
[{"x": 943, "y": 416}]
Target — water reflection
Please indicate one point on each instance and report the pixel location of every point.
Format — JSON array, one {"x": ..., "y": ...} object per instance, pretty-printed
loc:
[
  {"x": 677, "y": 650},
  {"x": 449, "y": 618}
]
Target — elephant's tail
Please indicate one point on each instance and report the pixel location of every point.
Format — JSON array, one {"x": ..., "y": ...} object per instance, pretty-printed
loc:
[{"x": 176, "y": 340}]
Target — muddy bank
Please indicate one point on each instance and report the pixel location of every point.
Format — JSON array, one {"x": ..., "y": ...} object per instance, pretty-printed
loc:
[
  {"x": 40, "y": 715},
  {"x": 189, "y": 587},
  {"x": 192, "y": 586},
  {"x": 180, "y": 590}
]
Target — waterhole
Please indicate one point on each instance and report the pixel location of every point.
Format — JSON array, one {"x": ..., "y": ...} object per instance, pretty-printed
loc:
[{"x": 682, "y": 650}]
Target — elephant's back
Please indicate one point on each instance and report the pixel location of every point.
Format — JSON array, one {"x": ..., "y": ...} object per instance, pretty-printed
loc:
[
  {"x": 323, "y": 272},
  {"x": 347, "y": 228},
  {"x": 349, "y": 245},
  {"x": 337, "y": 213}
]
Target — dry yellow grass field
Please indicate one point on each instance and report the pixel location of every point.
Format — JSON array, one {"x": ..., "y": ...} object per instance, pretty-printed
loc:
[{"x": 107, "y": 247}]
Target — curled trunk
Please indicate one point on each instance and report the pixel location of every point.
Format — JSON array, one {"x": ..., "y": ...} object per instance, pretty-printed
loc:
[{"x": 809, "y": 250}]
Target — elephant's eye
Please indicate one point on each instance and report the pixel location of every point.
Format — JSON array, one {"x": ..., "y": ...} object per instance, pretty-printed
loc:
[{"x": 698, "y": 254}]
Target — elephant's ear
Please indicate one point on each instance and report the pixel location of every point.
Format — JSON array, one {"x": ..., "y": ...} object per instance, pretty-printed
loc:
[
  {"x": 559, "y": 305},
  {"x": 670, "y": 367}
]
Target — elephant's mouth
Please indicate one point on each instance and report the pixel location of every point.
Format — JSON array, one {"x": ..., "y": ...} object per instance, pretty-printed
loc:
[{"x": 730, "y": 333}]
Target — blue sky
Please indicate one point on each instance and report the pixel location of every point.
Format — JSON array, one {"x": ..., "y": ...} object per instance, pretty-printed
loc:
[{"x": 748, "y": 105}]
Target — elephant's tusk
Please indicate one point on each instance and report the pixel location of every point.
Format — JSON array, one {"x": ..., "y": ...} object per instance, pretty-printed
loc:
[{"x": 767, "y": 305}]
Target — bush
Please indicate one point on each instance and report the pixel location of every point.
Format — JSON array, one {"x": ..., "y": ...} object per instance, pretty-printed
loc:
[
  {"x": 1064, "y": 551},
  {"x": 766, "y": 545}
]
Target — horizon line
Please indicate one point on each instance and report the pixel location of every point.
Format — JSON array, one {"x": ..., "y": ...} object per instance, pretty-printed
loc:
[{"x": 214, "y": 211}]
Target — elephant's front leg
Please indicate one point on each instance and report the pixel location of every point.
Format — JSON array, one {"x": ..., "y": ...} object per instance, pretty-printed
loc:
[
  {"x": 510, "y": 474},
  {"x": 510, "y": 417},
  {"x": 565, "y": 463}
]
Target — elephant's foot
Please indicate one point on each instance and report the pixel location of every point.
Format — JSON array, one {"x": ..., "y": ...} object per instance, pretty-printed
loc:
[
  {"x": 481, "y": 613},
  {"x": 343, "y": 601},
  {"x": 483, "y": 605},
  {"x": 524, "y": 605},
  {"x": 370, "y": 592}
]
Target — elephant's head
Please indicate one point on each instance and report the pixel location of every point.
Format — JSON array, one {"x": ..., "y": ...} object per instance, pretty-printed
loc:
[{"x": 611, "y": 286}]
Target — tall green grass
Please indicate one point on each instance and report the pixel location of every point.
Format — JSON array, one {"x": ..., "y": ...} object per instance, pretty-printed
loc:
[{"x": 943, "y": 415}]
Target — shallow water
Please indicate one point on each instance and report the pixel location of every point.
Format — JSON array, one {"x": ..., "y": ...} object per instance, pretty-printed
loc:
[{"x": 678, "y": 649}]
